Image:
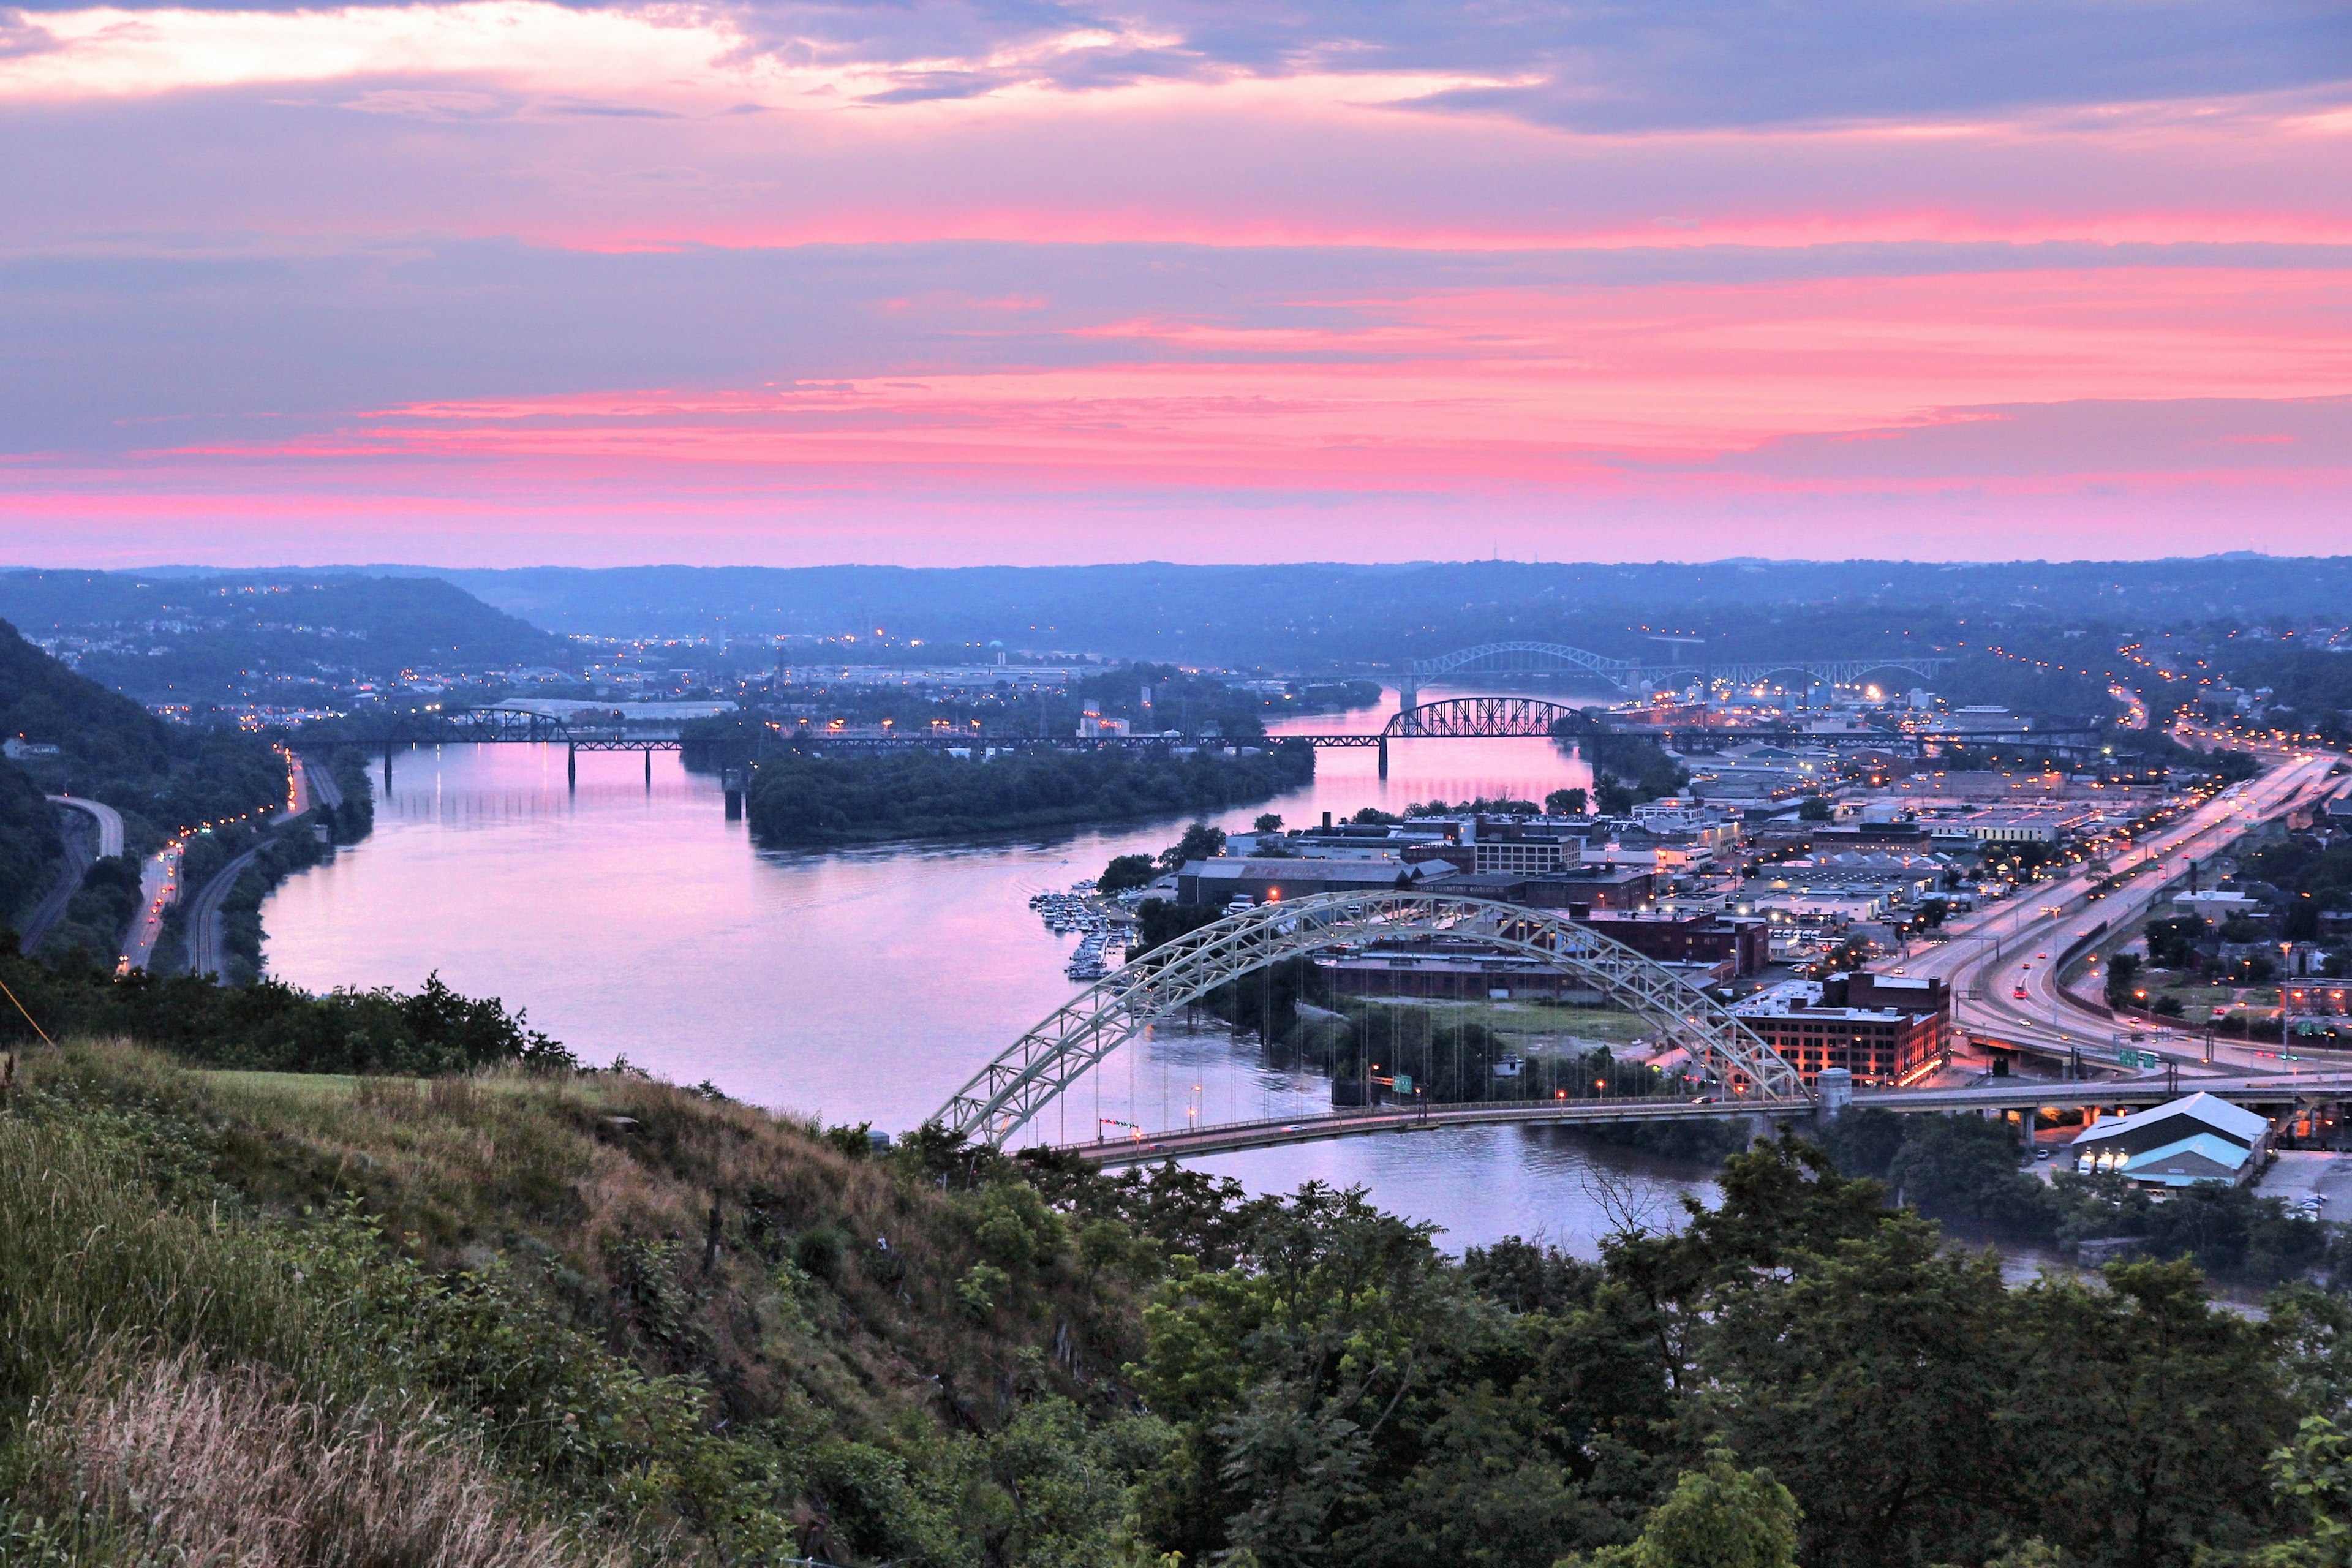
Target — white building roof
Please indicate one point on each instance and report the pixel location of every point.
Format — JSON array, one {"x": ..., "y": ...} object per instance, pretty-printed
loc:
[{"x": 2239, "y": 1125}]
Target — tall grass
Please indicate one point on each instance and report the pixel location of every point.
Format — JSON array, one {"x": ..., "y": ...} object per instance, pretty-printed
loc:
[
  {"x": 87, "y": 1256},
  {"x": 173, "y": 1462}
]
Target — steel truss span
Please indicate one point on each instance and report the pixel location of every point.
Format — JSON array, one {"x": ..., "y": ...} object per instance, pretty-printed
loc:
[
  {"x": 1002, "y": 1097},
  {"x": 1465, "y": 718}
]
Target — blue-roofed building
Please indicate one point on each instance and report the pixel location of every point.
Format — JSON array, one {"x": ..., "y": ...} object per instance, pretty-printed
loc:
[{"x": 2198, "y": 1138}]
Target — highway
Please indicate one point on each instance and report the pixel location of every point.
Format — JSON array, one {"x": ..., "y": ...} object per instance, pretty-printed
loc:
[
  {"x": 159, "y": 884},
  {"x": 1989, "y": 956},
  {"x": 108, "y": 820},
  {"x": 207, "y": 953}
]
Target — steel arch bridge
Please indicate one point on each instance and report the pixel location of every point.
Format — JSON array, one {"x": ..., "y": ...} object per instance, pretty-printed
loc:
[
  {"x": 1529, "y": 658},
  {"x": 1028, "y": 1076},
  {"x": 1822, "y": 672},
  {"x": 1459, "y": 718},
  {"x": 1628, "y": 675}
]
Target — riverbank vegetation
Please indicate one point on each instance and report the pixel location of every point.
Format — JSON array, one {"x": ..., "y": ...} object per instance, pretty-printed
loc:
[
  {"x": 1188, "y": 702},
  {"x": 512, "y": 1318},
  {"x": 1964, "y": 1170},
  {"x": 804, "y": 801},
  {"x": 270, "y": 1026},
  {"x": 1626, "y": 769}
]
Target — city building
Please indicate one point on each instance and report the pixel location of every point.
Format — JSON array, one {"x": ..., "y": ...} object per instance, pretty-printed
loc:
[
  {"x": 2216, "y": 904},
  {"x": 1580, "y": 889},
  {"x": 1884, "y": 1029},
  {"x": 1730, "y": 948},
  {"x": 1449, "y": 974},
  {"x": 1219, "y": 882}
]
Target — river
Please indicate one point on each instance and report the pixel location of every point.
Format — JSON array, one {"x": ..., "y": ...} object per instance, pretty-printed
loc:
[{"x": 866, "y": 985}]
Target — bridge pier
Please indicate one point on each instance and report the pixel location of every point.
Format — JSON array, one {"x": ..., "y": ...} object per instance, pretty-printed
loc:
[
  {"x": 387, "y": 768},
  {"x": 571, "y": 767},
  {"x": 649, "y": 770},
  {"x": 1384, "y": 758}
]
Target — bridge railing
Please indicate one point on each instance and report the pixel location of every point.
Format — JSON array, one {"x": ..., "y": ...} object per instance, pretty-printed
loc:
[{"x": 1421, "y": 1111}]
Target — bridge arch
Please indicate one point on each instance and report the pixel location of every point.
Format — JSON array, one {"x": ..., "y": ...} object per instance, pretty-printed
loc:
[
  {"x": 1505, "y": 718},
  {"x": 1527, "y": 657},
  {"x": 1028, "y": 1076},
  {"x": 1823, "y": 671}
]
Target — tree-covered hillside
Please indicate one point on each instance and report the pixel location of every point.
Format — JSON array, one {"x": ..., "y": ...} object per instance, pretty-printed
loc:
[
  {"x": 207, "y": 639},
  {"x": 162, "y": 777}
]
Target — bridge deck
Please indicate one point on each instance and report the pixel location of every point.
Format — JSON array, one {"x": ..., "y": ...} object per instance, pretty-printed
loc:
[{"x": 1232, "y": 1137}]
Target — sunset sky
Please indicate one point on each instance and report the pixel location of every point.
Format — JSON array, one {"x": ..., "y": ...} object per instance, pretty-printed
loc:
[{"x": 503, "y": 281}]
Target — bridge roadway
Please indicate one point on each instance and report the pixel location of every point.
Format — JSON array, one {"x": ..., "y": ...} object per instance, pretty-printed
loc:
[{"x": 2016, "y": 1094}]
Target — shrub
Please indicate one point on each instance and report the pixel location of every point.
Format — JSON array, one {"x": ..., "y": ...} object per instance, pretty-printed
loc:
[
  {"x": 818, "y": 1252},
  {"x": 977, "y": 1291}
]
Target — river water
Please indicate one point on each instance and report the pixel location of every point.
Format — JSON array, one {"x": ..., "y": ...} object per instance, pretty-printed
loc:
[{"x": 867, "y": 985}]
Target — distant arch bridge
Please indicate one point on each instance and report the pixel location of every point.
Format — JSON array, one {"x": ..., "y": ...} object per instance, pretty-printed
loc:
[
  {"x": 1005, "y": 1095},
  {"x": 1525, "y": 658}
]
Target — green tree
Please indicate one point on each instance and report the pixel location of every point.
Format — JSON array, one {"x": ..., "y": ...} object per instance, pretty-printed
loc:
[
  {"x": 1965, "y": 1168},
  {"x": 2163, "y": 1412},
  {"x": 1566, "y": 802},
  {"x": 1201, "y": 842},
  {"x": 2172, "y": 944},
  {"x": 1293, "y": 1381},
  {"x": 2123, "y": 979},
  {"x": 1815, "y": 808},
  {"x": 1862, "y": 1373},
  {"x": 1267, "y": 822},
  {"x": 2312, "y": 1477},
  {"x": 1718, "y": 1517},
  {"x": 2302, "y": 922},
  {"x": 1127, "y": 871}
]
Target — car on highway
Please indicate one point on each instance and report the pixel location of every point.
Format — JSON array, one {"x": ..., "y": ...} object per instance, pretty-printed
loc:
[{"x": 2017, "y": 993}]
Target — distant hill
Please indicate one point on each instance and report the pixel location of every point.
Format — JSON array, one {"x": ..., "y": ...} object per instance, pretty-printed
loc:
[
  {"x": 97, "y": 729},
  {"x": 1318, "y": 614},
  {"x": 161, "y": 777},
  {"x": 171, "y": 638}
]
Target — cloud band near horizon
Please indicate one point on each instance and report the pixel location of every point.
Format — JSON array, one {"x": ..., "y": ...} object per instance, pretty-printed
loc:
[{"x": 504, "y": 281}]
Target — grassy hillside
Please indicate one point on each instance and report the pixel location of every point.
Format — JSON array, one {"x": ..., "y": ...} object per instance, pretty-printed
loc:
[{"x": 640, "y": 1317}]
